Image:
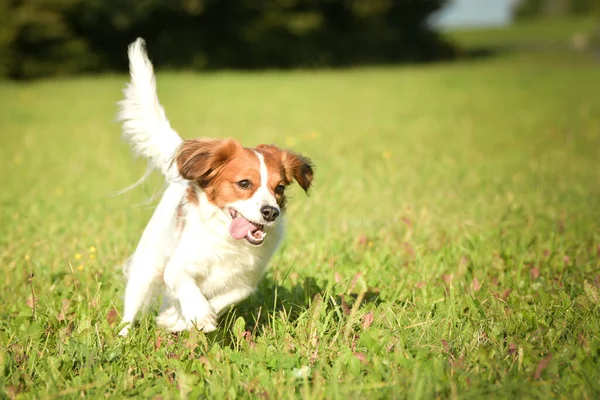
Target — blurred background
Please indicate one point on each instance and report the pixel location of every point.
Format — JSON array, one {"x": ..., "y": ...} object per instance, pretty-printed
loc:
[{"x": 42, "y": 38}]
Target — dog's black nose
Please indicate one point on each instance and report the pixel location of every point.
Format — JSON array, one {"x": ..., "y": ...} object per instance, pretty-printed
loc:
[{"x": 269, "y": 213}]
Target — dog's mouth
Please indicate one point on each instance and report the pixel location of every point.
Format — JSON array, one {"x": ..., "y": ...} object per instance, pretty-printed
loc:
[{"x": 241, "y": 228}]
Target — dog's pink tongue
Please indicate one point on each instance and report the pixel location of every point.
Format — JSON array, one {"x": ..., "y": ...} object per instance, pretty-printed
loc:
[{"x": 240, "y": 226}]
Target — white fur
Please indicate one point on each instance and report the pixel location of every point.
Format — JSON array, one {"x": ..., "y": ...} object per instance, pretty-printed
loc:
[
  {"x": 145, "y": 125},
  {"x": 201, "y": 270}
]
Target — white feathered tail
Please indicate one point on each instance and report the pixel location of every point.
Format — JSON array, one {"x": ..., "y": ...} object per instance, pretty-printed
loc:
[{"x": 145, "y": 125}]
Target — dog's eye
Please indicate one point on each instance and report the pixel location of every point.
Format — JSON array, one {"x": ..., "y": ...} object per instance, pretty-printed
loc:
[
  {"x": 279, "y": 189},
  {"x": 244, "y": 184}
]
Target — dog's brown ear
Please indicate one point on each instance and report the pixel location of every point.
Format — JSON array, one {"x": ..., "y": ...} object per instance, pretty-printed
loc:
[
  {"x": 295, "y": 166},
  {"x": 298, "y": 168},
  {"x": 202, "y": 159}
]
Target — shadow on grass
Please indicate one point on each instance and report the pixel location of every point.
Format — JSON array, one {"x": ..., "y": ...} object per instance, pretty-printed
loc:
[{"x": 273, "y": 301}]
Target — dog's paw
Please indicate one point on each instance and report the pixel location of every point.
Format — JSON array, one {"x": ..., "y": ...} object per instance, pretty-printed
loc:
[
  {"x": 169, "y": 319},
  {"x": 208, "y": 328},
  {"x": 178, "y": 326},
  {"x": 124, "y": 332},
  {"x": 206, "y": 322}
]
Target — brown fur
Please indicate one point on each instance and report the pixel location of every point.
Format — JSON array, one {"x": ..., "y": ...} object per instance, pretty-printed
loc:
[
  {"x": 295, "y": 167},
  {"x": 179, "y": 218},
  {"x": 218, "y": 165},
  {"x": 191, "y": 195},
  {"x": 203, "y": 159}
]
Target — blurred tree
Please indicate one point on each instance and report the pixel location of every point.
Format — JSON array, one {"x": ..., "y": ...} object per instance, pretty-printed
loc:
[
  {"x": 36, "y": 40},
  {"x": 48, "y": 37}
]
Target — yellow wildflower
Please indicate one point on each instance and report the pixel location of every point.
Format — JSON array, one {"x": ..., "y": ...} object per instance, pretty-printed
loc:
[
  {"x": 78, "y": 256},
  {"x": 92, "y": 249},
  {"x": 80, "y": 267},
  {"x": 92, "y": 256},
  {"x": 27, "y": 257}
]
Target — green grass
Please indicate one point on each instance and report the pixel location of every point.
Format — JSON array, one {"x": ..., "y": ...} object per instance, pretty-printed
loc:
[
  {"x": 557, "y": 32},
  {"x": 450, "y": 247}
]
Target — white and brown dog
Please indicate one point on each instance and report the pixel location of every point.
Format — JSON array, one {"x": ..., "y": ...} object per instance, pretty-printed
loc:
[{"x": 219, "y": 221}]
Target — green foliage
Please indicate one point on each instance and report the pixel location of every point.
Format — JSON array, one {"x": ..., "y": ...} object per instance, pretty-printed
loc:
[
  {"x": 36, "y": 40},
  {"x": 539, "y": 8},
  {"x": 450, "y": 248},
  {"x": 56, "y": 37}
]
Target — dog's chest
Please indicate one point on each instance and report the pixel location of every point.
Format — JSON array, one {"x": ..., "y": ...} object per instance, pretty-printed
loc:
[
  {"x": 221, "y": 264},
  {"x": 228, "y": 271}
]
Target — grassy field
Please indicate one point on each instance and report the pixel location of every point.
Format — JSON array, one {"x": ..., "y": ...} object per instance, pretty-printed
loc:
[{"x": 450, "y": 247}]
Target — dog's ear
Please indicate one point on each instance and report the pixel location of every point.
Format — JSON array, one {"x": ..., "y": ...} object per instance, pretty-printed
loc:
[
  {"x": 295, "y": 166},
  {"x": 201, "y": 160},
  {"x": 298, "y": 168}
]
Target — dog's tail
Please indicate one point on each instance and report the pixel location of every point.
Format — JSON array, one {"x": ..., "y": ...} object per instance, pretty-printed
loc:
[{"x": 145, "y": 125}]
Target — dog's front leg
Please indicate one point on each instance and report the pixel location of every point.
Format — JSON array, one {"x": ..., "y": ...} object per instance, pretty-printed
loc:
[
  {"x": 196, "y": 311},
  {"x": 223, "y": 302},
  {"x": 143, "y": 272}
]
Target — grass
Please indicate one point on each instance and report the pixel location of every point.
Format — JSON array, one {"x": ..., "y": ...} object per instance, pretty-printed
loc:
[
  {"x": 450, "y": 247},
  {"x": 553, "y": 33}
]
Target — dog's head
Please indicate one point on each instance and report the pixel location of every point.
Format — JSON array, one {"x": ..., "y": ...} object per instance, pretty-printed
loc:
[{"x": 247, "y": 184}]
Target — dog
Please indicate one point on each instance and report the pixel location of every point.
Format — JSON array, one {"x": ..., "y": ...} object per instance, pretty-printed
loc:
[{"x": 219, "y": 221}]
